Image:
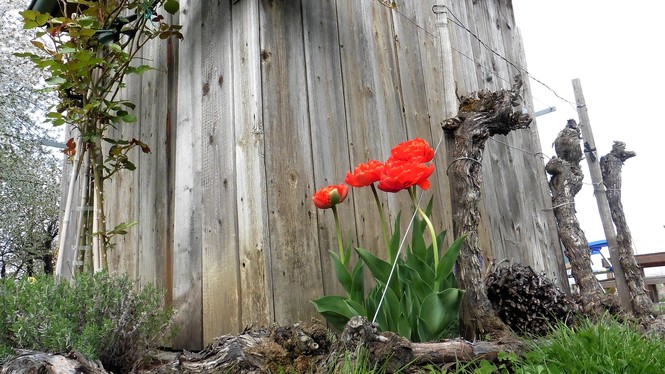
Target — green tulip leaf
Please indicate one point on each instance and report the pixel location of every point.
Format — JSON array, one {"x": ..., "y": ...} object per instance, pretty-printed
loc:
[
  {"x": 358, "y": 282},
  {"x": 379, "y": 268},
  {"x": 335, "y": 310},
  {"x": 438, "y": 312},
  {"x": 418, "y": 246},
  {"x": 395, "y": 240},
  {"x": 447, "y": 261},
  {"x": 342, "y": 273}
]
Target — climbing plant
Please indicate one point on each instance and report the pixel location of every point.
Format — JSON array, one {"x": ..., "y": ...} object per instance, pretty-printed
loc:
[{"x": 88, "y": 48}]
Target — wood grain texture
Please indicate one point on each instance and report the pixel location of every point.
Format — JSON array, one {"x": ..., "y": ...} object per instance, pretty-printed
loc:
[
  {"x": 421, "y": 84},
  {"x": 543, "y": 219},
  {"x": 466, "y": 65},
  {"x": 221, "y": 273},
  {"x": 187, "y": 277},
  {"x": 295, "y": 258},
  {"x": 269, "y": 100},
  {"x": 433, "y": 78},
  {"x": 373, "y": 108},
  {"x": 330, "y": 145},
  {"x": 152, "y": 169},
  {"x": 252, "y": 211},
  {"x": 125, "y": 192}
]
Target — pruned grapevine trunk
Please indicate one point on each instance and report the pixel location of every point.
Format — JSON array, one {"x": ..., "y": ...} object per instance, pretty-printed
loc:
[
  {"x": 565, "y": 183},
  {"x": 481, "y": 115},
  {"x": 610, "y": 166}
]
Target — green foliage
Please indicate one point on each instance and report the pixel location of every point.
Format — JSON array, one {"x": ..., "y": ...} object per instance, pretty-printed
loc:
[
  {"x": 604, "y": 347},
  {"x": 86, "y": 54},
  {"x": 421, "y": 301},
  {"x": 359, "y": 363},
  {"x": 100, "y": 316},
  {"x": 30, "y": 174}
]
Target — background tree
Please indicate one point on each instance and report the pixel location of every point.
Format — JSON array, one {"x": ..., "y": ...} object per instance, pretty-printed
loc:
[{"x": 29, "y": 172}]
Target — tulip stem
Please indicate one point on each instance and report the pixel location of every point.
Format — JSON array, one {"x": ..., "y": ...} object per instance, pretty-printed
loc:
[
  {"x": 342, "y": 255},
  {"x": 384, "y": 225},
  {"x": 432, "y": 233}
]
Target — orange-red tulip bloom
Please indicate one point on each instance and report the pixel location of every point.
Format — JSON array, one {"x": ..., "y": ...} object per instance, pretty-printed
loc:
[
  {"x": 399, "y": 175},
  {"x": 365, "y": 174},
  {"x": 329, "y": 196},
  {"x": 415, "y": 150}
]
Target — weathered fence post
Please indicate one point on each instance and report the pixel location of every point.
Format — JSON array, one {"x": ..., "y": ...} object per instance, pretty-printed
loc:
[
  {"x": 610, "y": 166},
  {"x": 481, "y": 115}
]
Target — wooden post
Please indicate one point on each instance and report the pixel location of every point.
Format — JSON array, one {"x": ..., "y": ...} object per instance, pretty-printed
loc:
[
  {"x": 450, "y": 103},
  {"x": 601, "y": 198}
]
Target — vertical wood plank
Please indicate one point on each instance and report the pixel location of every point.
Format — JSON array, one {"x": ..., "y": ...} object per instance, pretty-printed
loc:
[
  {"x": 152, "y": 172},
  {"x": 254, "y": 247},
  {"x": 221, "y": 293},
  {"x": 125, "y": 192},
  {"x": 289, "y": 171},
  {"x": 497, "y": 168},
  {"x": 549, "y": 256},
  {"x": 421, "y": 87},
  {"x": 466, "y": 64},
  {"x": 373, "y": 106},
  {"x": 330, "y": 155},
  {"x": 187, "y": 226}
]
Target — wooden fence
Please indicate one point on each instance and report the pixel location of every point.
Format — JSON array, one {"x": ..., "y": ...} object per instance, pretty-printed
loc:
[{"x": 264, "y": 102}]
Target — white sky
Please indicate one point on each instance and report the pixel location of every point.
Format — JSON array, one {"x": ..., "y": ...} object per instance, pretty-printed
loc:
[{"x": 617, "y": 51}]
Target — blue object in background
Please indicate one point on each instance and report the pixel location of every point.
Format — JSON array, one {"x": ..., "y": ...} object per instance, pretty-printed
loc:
[{"x": 596, "y": 246}]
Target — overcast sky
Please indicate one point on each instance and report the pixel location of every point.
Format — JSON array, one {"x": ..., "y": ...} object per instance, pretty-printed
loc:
[{"x": 617, "y": 51}]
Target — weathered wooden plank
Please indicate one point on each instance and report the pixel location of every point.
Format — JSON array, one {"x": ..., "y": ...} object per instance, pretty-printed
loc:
[
  {"x": 421, "y": 84},
  {"x": 528, "y": 169},
  {"x": 125, "y": 192},
  {"x": 433, "y": 71},
  {"x": 463, "y": 48},
  {"x": 155, "y": 170},
  {"x": 289, "y": 171},
  {"x": 499, "y": 176},
  {"x": 187, "y": 224},
  {"x": 221, "y": 289},
  {"x": 328, "y": 125},
  {"x": 254, "y": 246},
  {"x": 466, "y": 64},
  {"x": 151, "y": 114},
  {"x": 490, "y": 211},
  {"x": 373, "y": 106},
  {"x": 543, "y": 217},
  {"x": 169, "y": 146}
]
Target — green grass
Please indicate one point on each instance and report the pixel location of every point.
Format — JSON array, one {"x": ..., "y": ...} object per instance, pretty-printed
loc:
[{"x": 606, "y": 347}]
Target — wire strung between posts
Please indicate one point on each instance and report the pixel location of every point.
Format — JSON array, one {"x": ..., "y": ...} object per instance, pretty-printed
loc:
[
  {"x": 435, "y": 9},
  {"x": 559, "y": 206},
  {"x": 541, "y": 154},
  {"x": 459, "y": 23},
  {"x": 460, "y": 159},
  {"x": 401, "y": 243}
]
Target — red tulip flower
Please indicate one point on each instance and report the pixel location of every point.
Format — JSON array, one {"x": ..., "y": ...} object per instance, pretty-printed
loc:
[
  {"x": 327, "y": 197},
  {"x": 365, "y": 174},
  {"x": 414, "y": 150},
  {"x": 399, "y": 175}
]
